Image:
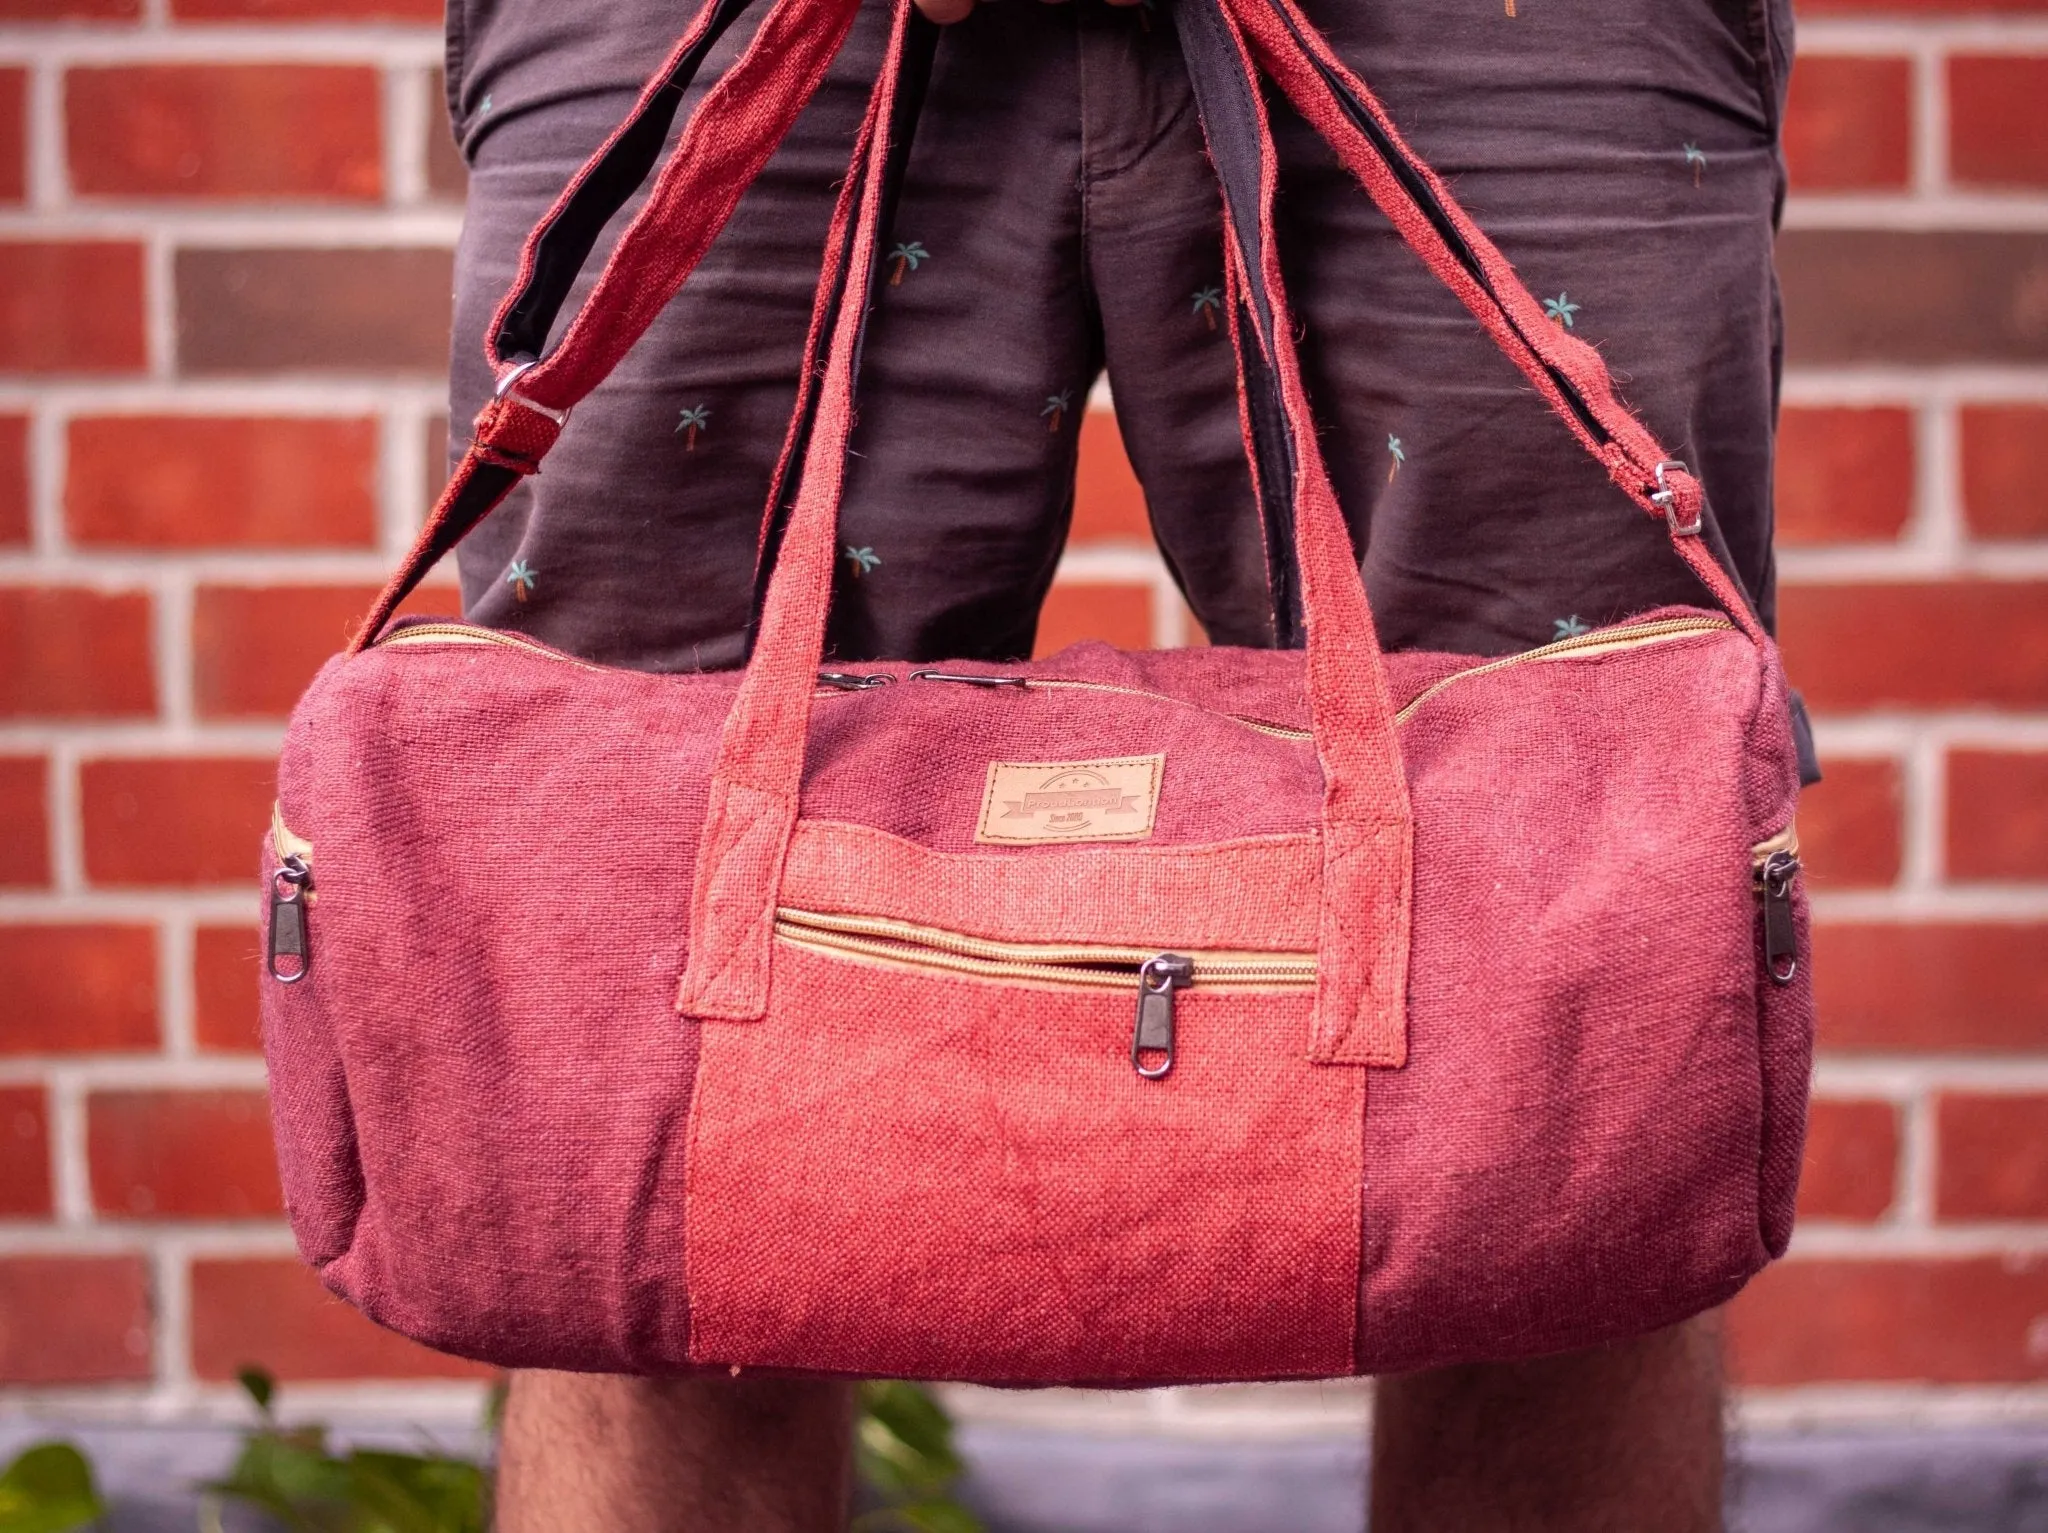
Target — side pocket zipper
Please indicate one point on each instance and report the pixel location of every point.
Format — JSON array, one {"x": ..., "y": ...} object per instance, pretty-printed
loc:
[
  {"x": 288, "y": 951},
  {"x": 1775, "y": 863}
]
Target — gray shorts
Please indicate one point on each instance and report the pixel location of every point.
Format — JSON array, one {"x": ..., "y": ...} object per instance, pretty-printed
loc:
[{"x": 1059, "y": 218}]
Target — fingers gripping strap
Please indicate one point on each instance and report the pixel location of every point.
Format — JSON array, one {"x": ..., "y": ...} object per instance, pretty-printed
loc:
[
  {"x": 1362, "y": 945},
  {"x": 759, "y": 772},
  {"x": 1568, "y": 373}
]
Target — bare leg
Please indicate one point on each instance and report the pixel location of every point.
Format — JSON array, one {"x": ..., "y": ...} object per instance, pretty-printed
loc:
[
  {"x": 1615, "y": 1440},
  {"x": 654, "y": 1455}
]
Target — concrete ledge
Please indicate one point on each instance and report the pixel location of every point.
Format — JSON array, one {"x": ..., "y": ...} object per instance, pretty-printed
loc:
[{"x": 1980, "y": 1480}]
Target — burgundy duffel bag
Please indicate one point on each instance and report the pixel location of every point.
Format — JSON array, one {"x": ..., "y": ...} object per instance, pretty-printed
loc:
[{"x": 1111, "y": 1018}]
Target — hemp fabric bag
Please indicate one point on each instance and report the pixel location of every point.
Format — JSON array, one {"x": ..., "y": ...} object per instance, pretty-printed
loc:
[{"x": 1112, "y": 1018}]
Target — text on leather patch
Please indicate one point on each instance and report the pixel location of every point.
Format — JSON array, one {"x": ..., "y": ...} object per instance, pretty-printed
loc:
[{"x": 1034, "y": 802}]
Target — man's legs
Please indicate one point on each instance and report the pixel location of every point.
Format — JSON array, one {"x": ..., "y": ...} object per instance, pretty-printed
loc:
[
  {"x": 649, "y": 1455},
  {"x": 1622, "y": 1438}
]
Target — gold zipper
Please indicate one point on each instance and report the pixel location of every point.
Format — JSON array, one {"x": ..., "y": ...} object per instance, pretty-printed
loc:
[
  {"x": 1091, "y": 964},
  {"x": 1156, "y": 977},
  {"x": 1599, "y": 642},
  {"x": 282, "y": 841},
  {"x": 470, "y": 633}
]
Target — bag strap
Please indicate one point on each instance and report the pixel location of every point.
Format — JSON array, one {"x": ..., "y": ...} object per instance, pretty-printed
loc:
[
  {"x": 1566, "y": 371},
  {"x": 727, "y": 140},
  {"x": 757, "y": 781}
]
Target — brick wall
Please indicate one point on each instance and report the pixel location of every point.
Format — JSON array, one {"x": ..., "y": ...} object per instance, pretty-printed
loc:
[{"x": 225, "y": 229}]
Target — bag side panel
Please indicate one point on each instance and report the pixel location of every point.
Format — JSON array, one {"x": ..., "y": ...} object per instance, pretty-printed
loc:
[
  {"x": 503, "y": 851},
  {"x": 1571, "y": 1153}
]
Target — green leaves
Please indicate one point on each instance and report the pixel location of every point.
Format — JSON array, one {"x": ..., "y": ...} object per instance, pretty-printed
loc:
[
  {"x": 49, "y": 1489},
  {"x": 293, "y": 1474},
  {"x": 903, "y": 1450}
]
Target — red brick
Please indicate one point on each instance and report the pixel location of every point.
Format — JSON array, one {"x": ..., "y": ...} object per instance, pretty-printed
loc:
[
  {"x": 1932, "y": 986},
  {"x": 24, "y": 1153},
  {"x": 307, "y": 10},
  {"x": 224, "y": 130},
  {"x": 1970, "y": 1321},
  {"x": 24, "y": 821},
  {"x": 225, "y": 976},
  {"x": 1116, "y": 614},
  {"x": 1998, "y": 120},
  {"x": 361, "y": 310},
  {"x": 186, "y": 481},
  {"x": 1843, "y": 476},
  {"x": 1109, "y": 503},
  {"x": 14, "y": 526},
  {"x": 70, "y": 10},
  {"x": 77, "y": 989},
  {"x": 1991, "y": 1157},
  {"x": 2005, "y": 470},
  {"x": 1913, "y": 296},
  {"x": 1848, "y": 123},
  {"x": 1947, "y": 644},
  {"x": 254, "y": 648},
  {"x": 72, "y": 654},
  {"x": 177, "y": 820},
  {"x": 181, "y": 1155},
  {"x": 71, "y": 307},
  {"x": 13, "y": 134},
  {"x": 1852, "y": 1161},
  {"x": 1849, "y": 825},
  {"x": 1998, "y": 815},
  {"x": 74, "y": 1320},
  {"x": 275, "y": 1313}
]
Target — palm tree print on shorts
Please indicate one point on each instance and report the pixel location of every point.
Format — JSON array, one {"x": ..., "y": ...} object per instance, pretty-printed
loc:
[
  {"x": 862, "y": 559},
  {"x": 1568, "y": 627},
  {"x": 1056, "y": 407},
  {"x": 1560, "y": 310},
  {"x": 1696, "y": 157},
  {"x": 1394, "y": 451},
  {"x": 520, "y": 578},
  {"x": 908, "y": 256},
  {"x": 1207, "y": 301},
  {"x": 693, "y": 421}
]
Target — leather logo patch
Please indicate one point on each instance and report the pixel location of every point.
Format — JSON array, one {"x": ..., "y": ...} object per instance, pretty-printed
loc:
[{"x": 1042, "y": 801}]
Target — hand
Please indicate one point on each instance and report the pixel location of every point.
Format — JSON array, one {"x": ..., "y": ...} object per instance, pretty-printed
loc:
[{"x": 946, "y": 12}]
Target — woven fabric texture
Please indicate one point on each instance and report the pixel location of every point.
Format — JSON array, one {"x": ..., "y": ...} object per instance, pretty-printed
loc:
[{"x": 566, "y": 1086}]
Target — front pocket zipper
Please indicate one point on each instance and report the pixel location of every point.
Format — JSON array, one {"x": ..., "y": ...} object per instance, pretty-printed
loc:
[
  {"x": 288, "y": 950},
  {"x": 1156, "y": 977},
  {"x": 1773, "y": 866}
]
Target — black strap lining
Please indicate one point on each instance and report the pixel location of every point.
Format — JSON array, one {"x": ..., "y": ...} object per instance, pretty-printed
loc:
[{"x": 571, "y": 234}]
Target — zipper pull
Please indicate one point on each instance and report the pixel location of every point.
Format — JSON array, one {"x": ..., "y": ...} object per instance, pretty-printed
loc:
[
  {"x": 853, "y": 681},
  {"x": 1781, "y": 940},
  {"x": 1158, "y": 979},
  {"x": 971, "y": 681},
  {"x": 291, "y": 887}
]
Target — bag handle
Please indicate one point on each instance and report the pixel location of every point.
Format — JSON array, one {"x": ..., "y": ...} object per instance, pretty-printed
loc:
[{"x": 757, "y": 780}]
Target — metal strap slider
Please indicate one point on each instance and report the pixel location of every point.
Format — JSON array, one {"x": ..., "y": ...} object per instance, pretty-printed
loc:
[{"x": 1667, "y": 497}]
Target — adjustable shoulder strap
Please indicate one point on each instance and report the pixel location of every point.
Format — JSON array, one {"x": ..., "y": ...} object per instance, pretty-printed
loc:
[
  {"x": 721, "y": 149},
  {"x": 1566, "y": 371}
]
